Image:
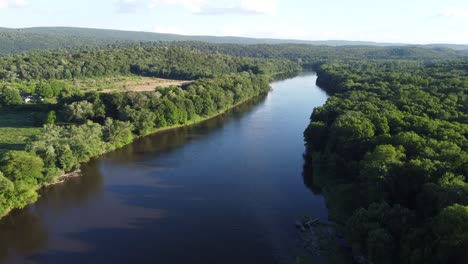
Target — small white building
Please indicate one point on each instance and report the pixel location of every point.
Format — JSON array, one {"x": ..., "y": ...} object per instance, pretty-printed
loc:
[{"x": 27, "y": 97}]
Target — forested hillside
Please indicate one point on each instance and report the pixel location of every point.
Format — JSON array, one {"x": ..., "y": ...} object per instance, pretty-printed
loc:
[
  {"x": 50, "y": 38},
  {"x": 20, "y": 40},
  {"x": 98, "y": 61},
  {"x": 311, "y": 56},
  {"x": 159, "y": 61},
  {"x": 389, "y": 150}
]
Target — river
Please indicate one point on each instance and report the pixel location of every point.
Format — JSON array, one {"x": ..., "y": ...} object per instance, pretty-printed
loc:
[{"x": 227, "y": 190}]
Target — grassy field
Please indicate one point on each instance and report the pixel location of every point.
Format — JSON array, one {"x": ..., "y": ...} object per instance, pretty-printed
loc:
[
  {"x": 15, "y": 129},
  {"x": 124, "y": 84},
  {"x": 17, "y": 126}
]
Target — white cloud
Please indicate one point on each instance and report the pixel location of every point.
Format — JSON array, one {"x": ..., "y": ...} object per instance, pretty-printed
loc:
[
  {"x": 212, "y": 7},
  {"x": 19, "y": 3},
  {"x": 455, "y": 13},
  {"x": 252, "y": 7},
  {"x": 194, "y": 6},
  {"x": 4, "y": 4},
  {"x": 127, "y": 6}
]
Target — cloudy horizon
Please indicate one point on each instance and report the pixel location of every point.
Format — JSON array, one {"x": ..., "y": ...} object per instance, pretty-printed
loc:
[{"x": 418, "y": 22}]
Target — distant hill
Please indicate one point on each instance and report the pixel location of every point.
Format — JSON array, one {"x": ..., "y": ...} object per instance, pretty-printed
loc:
[{"x": 20, "y": 40}]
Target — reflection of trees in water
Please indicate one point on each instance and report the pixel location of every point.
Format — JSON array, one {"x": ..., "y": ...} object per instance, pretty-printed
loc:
[
  {"x": 75, "y": 191},
  {"x": 24, "y": 230},
  {"x": 283, "y": 76},
  {"x": 342, "y": 198},
  {"x": 21, "y": 231},
  {"x": 170, "y": 140},
  {"x": 308, "y": 174}
]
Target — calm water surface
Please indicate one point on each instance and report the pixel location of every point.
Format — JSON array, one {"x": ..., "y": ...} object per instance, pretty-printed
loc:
[{"x": 224, "y": 191}]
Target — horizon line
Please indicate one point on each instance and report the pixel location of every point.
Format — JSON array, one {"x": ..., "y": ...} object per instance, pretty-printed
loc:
[{"x": 387, "y": 43}]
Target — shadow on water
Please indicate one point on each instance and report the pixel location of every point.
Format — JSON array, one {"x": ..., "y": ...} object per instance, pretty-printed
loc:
[
  {"x": 308, "y": 175},
  {"x": 22, "y": 231},
  {"x": 170, "y": 140},
  {"x": 25, "y": 231}
]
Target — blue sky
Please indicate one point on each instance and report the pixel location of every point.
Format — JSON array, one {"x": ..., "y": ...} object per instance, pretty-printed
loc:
[{"x": 409, "y": 21}]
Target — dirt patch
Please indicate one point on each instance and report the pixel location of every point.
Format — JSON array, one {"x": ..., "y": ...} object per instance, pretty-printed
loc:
[{"x": 144, "y": 85}]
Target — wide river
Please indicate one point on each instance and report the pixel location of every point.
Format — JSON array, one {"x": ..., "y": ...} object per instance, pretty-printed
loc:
[{"x": 224, "y": 191}]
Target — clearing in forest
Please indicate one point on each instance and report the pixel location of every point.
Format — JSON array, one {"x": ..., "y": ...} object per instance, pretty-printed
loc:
[{"x": 126, "y": 84}]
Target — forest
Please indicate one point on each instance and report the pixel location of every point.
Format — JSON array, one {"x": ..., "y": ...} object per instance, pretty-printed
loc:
[
  {"x": 18, "y": 40},
  {"x": 389, "y": 151}
]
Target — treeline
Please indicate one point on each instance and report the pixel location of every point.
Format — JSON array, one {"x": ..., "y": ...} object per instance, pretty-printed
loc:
[
  {"x": 313, "y": 56},
  {"x": 44, "y": 73},
  {"x": 21, "y": 40},
  {"x": 158, "y": 61},
  {"x": 191, "y": 60},
  {"x": 389, "y": 150},
  {"x": 17, "y": 41}
]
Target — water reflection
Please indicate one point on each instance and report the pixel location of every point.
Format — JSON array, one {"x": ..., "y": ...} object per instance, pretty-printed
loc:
[
  {"x": 308, "y": 175},
  {"x": 23, "y": 231},
  {"x": 74, "y": 192},
  {"x": 164, "y": 142}
]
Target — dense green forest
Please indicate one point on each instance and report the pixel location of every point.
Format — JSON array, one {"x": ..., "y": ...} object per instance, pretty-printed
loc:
[
  {"x": 158, "y": 61},
  {"x": 80, "y": 126},
  {"x": 190, "y": 60},
  {"x": 389, "y": 151},
  {"x": 311, "y": 56},
  {"x": 25, "y": 39}
]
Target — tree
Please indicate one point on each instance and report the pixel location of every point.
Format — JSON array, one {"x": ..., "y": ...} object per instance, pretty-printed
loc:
[
  {"x": 350, "y": 132},
  {"x": 5, "y": 184},
  {"x": 22, "y": 166},
  {"x": 6, "y": 187},
  {"x": 352, "y": 127},
  {"x": 316, "y": 135},
  {"x": 57, "y": 87},
  {"x": 117, "y": 133},
  {"x": 450, "y": 229},
  {"x": 44, "y": 89},
  {"x": 66, "y": 159},
  {"x": 380, "y": 246},
  {"x": 79, "y": 111},
  {"x": 10, "y": 96},
  {"x": 85, "y": 141},
  {"x": 51, "y": 118},
  {"x": 171, "y": 112},
  {"x": 143, "y": 120},
  {"x": 375, "y": 230},
  {"x": 378, "y": 169}
]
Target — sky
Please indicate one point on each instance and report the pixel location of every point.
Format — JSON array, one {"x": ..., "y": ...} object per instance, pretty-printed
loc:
[{"x": 403, "y": 21}]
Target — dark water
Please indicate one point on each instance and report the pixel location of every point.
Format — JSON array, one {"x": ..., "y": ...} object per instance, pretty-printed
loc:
[{"x": 225, "y": 191}]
